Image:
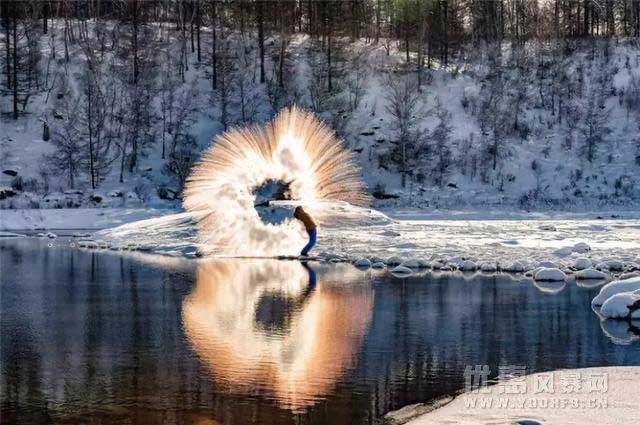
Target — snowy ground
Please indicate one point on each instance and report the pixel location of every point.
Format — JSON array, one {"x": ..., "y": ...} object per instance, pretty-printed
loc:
[
  {"x": 616, "y": 404},
  {"x": 352, "y": 233},
  {"x": 73, "y": 218}
]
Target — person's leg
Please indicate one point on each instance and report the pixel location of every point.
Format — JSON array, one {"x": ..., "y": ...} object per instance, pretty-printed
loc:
[{"x": 310, "y": 244}]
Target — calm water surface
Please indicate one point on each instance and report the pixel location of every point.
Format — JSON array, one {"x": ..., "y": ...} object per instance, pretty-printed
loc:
[{"x": 104, "y": 337}]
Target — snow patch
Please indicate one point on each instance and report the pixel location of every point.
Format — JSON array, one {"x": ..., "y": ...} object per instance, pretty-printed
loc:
[
  {"x": 616, "y": 287},
  {"x": 550, "y": 274}
]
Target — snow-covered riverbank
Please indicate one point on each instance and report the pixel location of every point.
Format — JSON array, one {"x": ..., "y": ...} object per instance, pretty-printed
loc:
[
  {"x": 73, "y": 218},
  {"x": 613, "y": 401},
  {"x": 562, "y": 241}
]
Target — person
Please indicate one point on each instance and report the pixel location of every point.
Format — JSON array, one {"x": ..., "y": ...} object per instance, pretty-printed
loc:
[{"x": 310, "y": 226}]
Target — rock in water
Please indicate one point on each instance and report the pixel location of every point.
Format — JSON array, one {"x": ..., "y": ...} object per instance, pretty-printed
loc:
[
  {"x": 550, "y": 274},
  {"x": 362, "y": 263},
  {"x": 414, "y": 263},
  {"x": 468, "y": 266},
  {"x": 625, "y": 305},
  {"x": 394, "y": 261},
  {"x": 590, "y": 273},
  {"x": 616, "y": 287},
  {"x": 401, "y": 271}
]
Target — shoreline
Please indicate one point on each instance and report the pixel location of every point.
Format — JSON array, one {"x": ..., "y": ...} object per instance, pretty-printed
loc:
[{"x": 615, "y": 402}]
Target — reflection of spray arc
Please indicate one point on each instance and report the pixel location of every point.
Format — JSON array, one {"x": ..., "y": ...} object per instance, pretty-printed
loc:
[
  {"x": 296, "y": 358},
  {"x": 296, "y": 149}
]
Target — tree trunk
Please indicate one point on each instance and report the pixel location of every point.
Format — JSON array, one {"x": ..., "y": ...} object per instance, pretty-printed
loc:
[
  {"x": 45, "y": 17},
  {"x": 261, "y": 38},
  {"x": 135, "y": 41},
  {"x": 15, "y": 63},
  {"x": 214, "y": 57},
  {"x": 329, "y": 29},
  {"x": 90, "y": 125},
  {"x": 198, "y": 23},
  {"x": 7, "y": 45}
]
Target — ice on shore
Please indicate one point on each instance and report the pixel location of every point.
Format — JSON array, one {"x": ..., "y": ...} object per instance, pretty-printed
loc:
[{"x": 616, "y": 287}]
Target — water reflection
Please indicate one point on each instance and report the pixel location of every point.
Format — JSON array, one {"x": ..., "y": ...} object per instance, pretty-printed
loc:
[
  {"x": 550, "y": 287},
  {"x": 272, "y": 326},
  {"x": 101, "y": 337},
  {"x": 621, "y": 332}
]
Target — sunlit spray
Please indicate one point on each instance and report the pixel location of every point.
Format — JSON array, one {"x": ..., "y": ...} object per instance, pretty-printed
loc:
[{"x": 295, "y": 148}]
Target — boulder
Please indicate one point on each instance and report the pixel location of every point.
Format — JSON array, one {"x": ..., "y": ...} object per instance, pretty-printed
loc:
[
  {"x": 590, "y": 273},
  {"x": 401, "y": 271},
  {"x": 582, "y": 263},
  {"x": 468, "y": 266},
  {"x": 364, "y": 263},
  {"x": 551, "y": 274},
  {"x": 616, "y": 287}
]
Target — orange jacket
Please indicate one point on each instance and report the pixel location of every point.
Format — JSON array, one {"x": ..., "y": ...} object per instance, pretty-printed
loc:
[{"x": 305, "y": 218}]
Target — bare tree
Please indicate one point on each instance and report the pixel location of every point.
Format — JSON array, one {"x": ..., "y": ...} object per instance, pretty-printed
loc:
[{"x": 402, "y": 105}]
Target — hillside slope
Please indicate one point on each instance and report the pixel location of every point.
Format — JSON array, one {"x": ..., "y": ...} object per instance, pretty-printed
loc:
[{"x": 537, "y": 126}]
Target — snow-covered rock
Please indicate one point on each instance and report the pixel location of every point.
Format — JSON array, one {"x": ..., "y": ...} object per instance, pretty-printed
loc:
[
  {"x": 550, "y": 274},
  {"x": 613, "y": 265},
  {"x": 616, "y": 287},
  {"x": 415, "y": 263},
  {"x": 515, "y": 267},
  {"x": 590, "y": 273},
  {"x": 328, "y": 256},
  {"x": 547, "y": 265},
  {"x": 364, "y": 263},
  {"x": 563, "y": 252},
  {"x": 468, "y": 266},
  {"x": 401, "y": 271},
  {"x": 488, "y": 267},
  {"x": 375, "y": 259},
  {"x": 378, "y": 265},
  {"x": 581, "y": 247},
  {"x": 51, "y": 235},
  {"x": 624, "y": 305},
  {"x": 629, "y": 275},
  {"x": 582, "y": 263},
  {"x": 548, "y": 227},
  {"x": 394, "y": 261}
]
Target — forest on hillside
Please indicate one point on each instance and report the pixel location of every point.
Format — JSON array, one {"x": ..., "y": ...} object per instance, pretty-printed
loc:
[{"x": 535, "y": 101}]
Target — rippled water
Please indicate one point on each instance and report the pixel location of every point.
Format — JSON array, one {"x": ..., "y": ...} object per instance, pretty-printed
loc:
[{"x": 101, "y": 336}]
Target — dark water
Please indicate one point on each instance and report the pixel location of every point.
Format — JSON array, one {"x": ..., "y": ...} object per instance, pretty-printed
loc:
[{"x": 103, "y": 337}]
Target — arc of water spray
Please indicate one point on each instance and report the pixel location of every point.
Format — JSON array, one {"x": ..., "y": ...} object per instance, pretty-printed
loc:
[{"x": 294, "y": 147}]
